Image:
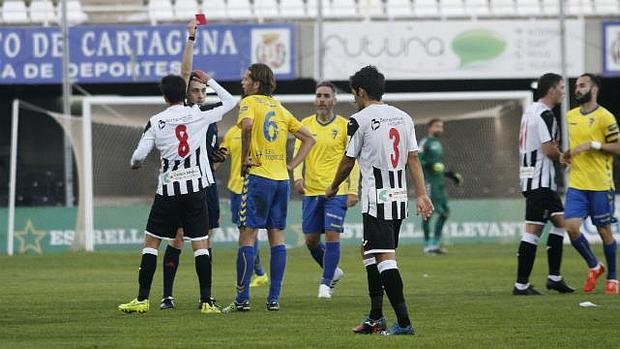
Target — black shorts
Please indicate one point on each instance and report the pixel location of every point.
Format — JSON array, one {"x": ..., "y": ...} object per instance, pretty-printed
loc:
[
  {"x": 380, "y": 236},
  {"x": 187, "y": 211},
  {"x": 541, "y": 205},
  {"x": 213, "y": 203}
]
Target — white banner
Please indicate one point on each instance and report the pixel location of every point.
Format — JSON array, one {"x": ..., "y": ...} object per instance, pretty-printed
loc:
[
  {"x": 611, "y": 52},
  {"x": 452, "y": 49}
]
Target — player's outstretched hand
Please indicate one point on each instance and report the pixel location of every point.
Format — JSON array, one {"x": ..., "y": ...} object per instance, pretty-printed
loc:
[
  {"x": 352, "y": 200},
  {"x": 191, "y": 27},
  {"x": 299, "y": 187},
  {"x": 200, "y": 76},
  {"x": 424, "y": 206},
  {"x": 219, "y": 155},
  {"x": 565, "y": 158},
  {"x": 330, "y": 192}
]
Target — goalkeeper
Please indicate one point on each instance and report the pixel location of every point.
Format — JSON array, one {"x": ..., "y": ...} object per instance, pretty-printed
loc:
[{"x": 431, "y": 156}]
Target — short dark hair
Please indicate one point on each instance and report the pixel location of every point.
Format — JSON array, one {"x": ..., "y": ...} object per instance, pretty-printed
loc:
[
  {"x": 173, "y": 88},
  {"x": 264, "y": 75},
  {"x": 432, "y": 122},
  {"x": 596, "y": 80},
  {"x": 547, "y": 82},
  {"x": 371, "y": 80},
  {"x": 327, "y": 84}
]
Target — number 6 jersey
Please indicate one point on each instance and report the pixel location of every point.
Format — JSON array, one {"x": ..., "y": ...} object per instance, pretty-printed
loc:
[
  {"x": 381, "y": 137},
  {"x": 179, "y": 133},
  {"x": 271, "y": 124}
]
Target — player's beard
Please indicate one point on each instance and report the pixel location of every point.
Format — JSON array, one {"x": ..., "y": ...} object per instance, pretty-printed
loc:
[{"x": 585, "y": 98}]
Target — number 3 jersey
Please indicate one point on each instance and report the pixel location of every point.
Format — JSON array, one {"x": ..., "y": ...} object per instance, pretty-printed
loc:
[
  {"x": 271, "y": 124},
  {"x": 381, "y": 137},
  {"x": 179, "y": 133}
]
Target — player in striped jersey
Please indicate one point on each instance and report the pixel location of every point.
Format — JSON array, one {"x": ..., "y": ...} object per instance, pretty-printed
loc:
[
  {"x": 265, "y": 125},
  {"x": 196, "y": 95},
  {"x": 382, "y": 139},
  {"x": 594, "y": 139},
  {"x": 538, "y": 148},
  {"x": 320, "y": 214},
  {"x": 179, "y": 134},
  {"x": 232, "y": 143}
]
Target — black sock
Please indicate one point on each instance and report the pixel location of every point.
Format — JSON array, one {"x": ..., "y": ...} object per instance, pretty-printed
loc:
[
  {"x": 554, "y": 253},
  {"x": 375, "y": 291},
  {"x": 145, "y": 275},
  {"x": 203, "y": 270},
  {"x": 171, "y": 263},
  {"x": 394, "y": 289},
  {"x": 525, "y": 258},
  {"x": 210, "y": 254}
]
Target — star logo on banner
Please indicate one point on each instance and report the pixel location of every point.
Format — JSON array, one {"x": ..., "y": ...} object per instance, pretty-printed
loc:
[{"x": 30, "y": 238}]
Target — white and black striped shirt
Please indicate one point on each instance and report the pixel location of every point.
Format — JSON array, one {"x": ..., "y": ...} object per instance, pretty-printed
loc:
[
  {"x": 381, "y": 137},
  {"x": 179, "y": 133},
  {"x": 538, "y": 126}
]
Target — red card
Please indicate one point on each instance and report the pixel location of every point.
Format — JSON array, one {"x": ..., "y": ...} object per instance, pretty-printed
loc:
[{"x": 201, "y": 19}]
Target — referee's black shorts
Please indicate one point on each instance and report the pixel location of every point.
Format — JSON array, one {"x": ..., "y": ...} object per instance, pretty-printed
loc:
[{"x": 188, "y": 211}]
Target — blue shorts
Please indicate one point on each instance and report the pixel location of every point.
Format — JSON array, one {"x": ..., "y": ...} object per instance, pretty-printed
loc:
[
  {"x": 320, "y": 214},
  {"x": 264, "y": 203},
  {"x": 235, "y": 201},
  {"x": 599, "y": 205},
  {"x": 213, "y": 204}
]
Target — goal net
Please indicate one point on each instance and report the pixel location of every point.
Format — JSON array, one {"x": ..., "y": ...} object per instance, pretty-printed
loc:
[{"x": 481, "y": 130}]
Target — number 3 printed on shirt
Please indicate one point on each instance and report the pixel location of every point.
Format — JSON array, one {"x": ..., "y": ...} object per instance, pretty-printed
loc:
[
  {"x": 182, "y": 136},
  {"x": 395, "y": 136}
]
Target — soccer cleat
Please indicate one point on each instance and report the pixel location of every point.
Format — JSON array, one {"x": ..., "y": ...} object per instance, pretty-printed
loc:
[
  {"x": 397, "y": 330},
  {"x": 529, "y": 291},
  {"x": 273, "y": 305},
  {"x": 237, "y": 307},
  {"x": 325, "y": 291},
  {"x": 559, "y": 286},
  {"x": 258, "y": 281},
  {"x": 135, "y": 306},
  {"x": 370, "y": 326},
  {"x": 211, "y": 300},
  {"x": 210, "y": 307},
  {"x": 167, "y": 303},
  {"x": 612, "y": 287},
  {"x": 338, "y": 274},
  {"x": 593, "y": 275}
]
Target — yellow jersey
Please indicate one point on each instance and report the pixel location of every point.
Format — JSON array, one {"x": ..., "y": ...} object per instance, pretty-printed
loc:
[
  {"x": 593, "y": 169},
  {"x": 321, "y": 164},
  {"x": 271, "y": 124},
  {"x": 232, "y": 142}
]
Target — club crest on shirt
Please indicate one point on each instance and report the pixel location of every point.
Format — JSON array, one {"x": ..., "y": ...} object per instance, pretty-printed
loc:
[{"x": 334, "y": 133}]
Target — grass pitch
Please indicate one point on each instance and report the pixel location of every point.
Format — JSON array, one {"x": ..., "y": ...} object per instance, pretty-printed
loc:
[{"x": 460, "y": 300}]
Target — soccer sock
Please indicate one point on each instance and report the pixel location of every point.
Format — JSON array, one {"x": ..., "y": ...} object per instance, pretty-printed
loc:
[
  {"x": 394, "y": 289},
  {"x": 245, "y": 259},
  {"x": 426, "y": 227},
  {"x": 583, "y": 247},
  {"x": 276, "y": 269},
  {"x": 330, "y": 262},
  {"x": 525, "y": 257},
  {"x": 147, "y": 270},
  {"x": 203, "y": 270},
  {"x": 317, "y": 253},
  {"x": 554, "y": 250},
  {"x": 171, "y": 263},
  {"x": 258, "y": 267},
  {"x": 439, "y": 228},
  {"x": 210, "y": 254},
  {"x": 375, "y": 289},
  {"x": 610, "y": 255}
]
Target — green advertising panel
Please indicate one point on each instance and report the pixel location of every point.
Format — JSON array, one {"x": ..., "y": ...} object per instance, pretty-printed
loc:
[{"x": 51, "y": 229}]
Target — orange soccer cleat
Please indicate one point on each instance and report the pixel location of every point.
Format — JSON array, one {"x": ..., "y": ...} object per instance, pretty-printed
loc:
[
  {"x": 612, "y": 287},
  {"x": 593, "y": 275}
]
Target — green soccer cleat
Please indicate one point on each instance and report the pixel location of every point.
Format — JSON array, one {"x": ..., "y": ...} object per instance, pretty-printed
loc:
[
  {"x": 210, "y": 308},
  {"x": 237, "y": 307},
  {"x": 135, "y": 306},
  {"x": 258, "y": 281}
]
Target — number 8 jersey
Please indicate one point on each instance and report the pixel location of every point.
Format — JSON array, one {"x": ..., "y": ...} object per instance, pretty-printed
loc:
[
  {"x": 179, "y": 133},
  {"x": 381, "y": 137},
  {"x": 271, "y": 124}
]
